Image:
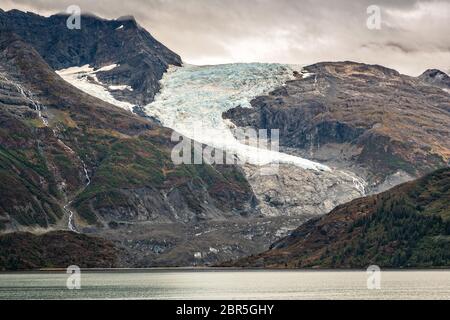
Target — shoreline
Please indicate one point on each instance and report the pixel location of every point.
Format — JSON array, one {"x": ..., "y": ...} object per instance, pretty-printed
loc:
[{"x": 213, "y": 269}]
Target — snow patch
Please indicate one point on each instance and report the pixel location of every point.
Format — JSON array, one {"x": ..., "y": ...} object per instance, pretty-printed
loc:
[
  {"x": 85, "y": 79},
  {"x": 75, "y": 70},
  {"x": 107, "y": 68}
]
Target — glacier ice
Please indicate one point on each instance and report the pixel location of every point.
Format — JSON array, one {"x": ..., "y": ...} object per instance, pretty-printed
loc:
[{"x": 193, "y": 98}]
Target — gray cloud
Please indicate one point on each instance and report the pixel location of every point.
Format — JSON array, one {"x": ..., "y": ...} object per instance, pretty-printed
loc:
[{"x": 413, "y": 37}]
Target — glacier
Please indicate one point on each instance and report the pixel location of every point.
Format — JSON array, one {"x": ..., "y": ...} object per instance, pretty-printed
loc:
[{"x": 193, "y": 98}]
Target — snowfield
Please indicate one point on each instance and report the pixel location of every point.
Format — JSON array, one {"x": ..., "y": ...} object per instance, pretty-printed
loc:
[{"x": 85, "y": 79}]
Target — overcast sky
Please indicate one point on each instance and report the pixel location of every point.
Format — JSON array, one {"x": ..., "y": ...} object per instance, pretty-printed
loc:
[{"x": 414, "y": 35}]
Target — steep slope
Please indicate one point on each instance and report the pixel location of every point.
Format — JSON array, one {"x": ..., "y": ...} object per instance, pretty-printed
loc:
[
  {"x": 141, "y": 60},
  {"x": 70, "y": 160},
  {"x": 408, "y": 226},
  {"x": 385, "y": 126},
  {"x": 58, "y": 249}
]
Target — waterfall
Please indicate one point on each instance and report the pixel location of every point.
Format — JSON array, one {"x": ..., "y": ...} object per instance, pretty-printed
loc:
[
  {"x": 358, "y": 182},
  {"x": 88, "y": 180},
  {"x": 27, "y": 95},
  {"x": 70, "y": 223},
  {"x": 38, "y": 108}
]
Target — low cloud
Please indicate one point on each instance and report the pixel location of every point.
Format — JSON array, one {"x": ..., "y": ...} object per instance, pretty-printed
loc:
[{"x": 412, "y": 38}]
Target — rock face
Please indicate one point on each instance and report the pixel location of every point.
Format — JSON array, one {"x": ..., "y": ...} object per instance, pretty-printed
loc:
[
  {"x": 295, "y": 192},
  {"x": 368, "y": 119},
  {"x": 141, "y": 59},
  {"x": 407, "y": 226}
]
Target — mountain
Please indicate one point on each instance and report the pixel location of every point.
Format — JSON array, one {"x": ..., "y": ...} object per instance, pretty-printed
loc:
[
  {"x": 82, "y": 150},
  {"x": 80, "y": 163},
  {"x": 407, "y": 226},
  {"x": 386, "y": 127},
  {"x": 141, "y": 60},
  {"x": 71, "y": 161}
]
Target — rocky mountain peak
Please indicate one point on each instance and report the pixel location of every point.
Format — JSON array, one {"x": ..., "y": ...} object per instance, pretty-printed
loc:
[
  {"x": 141, "y": 60},
  {"x": 126, "y": 18},
  {"x": 435, "y": 73},
  {"x": 436, "y": 77}
]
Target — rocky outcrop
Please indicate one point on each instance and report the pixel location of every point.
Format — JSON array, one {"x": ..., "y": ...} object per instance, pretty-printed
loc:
[
  {"x": 375, "y": 121},
  {"x": 436, "y": 78},
  {"x": 141, "y": 60}
]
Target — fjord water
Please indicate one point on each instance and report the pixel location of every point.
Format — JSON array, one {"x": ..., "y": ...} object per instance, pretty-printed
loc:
[{"x": 225, "y": 284}]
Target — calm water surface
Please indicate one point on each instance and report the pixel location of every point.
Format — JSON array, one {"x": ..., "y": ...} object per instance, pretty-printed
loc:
[{"x": 218, "y": 284}]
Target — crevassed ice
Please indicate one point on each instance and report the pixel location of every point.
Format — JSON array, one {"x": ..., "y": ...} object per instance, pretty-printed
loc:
[
  {"x": 193, "y": 98},
  {"x": 85, "y": 79}
]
